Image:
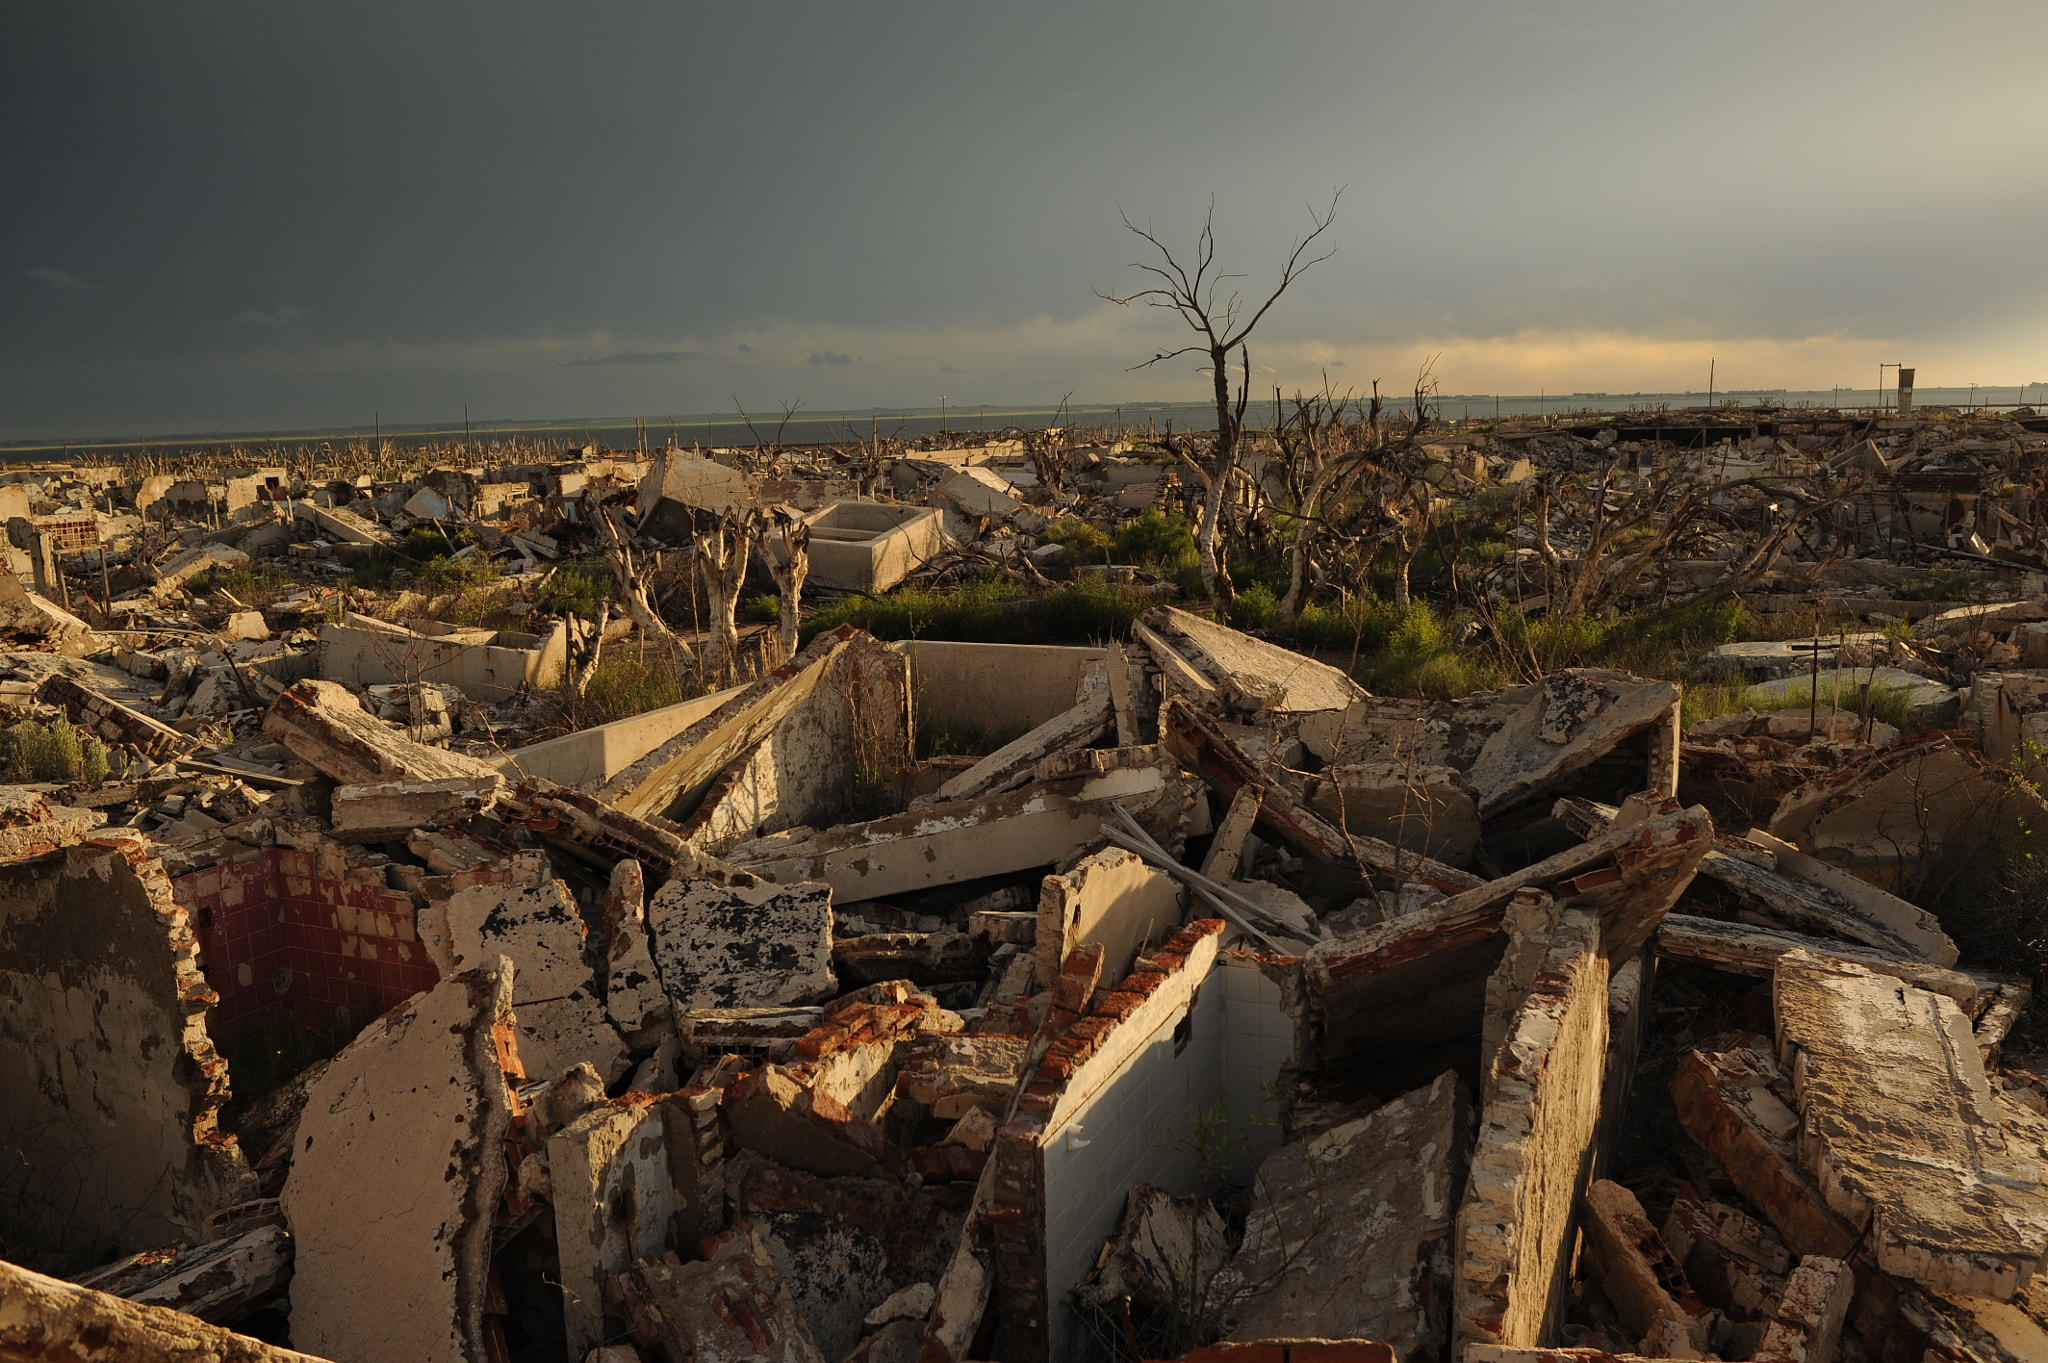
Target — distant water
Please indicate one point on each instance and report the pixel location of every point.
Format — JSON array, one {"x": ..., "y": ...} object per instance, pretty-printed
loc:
[{"x": 717, "y": 429}]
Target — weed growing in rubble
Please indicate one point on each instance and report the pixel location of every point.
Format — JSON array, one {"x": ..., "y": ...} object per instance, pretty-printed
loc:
[
  {"x": 245, "y": 580},
  {"x": 628, "y": 681},
  {"x": 995, "y": 610},
  {"x": 54, "y": 752},
  {"x": 578, "y": 589}
]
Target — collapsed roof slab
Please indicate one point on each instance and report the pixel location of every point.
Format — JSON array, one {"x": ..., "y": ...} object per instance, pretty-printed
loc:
[
  {"x": 1515, "y": 744},
  {"x": 1247, "y": 673},
  {"x": 751, "y": 945},
  {"x": 1040, "y": 825},
  {"x": 1902, "y": 1132},
  {"x": 398, "y": 1165},
  {"x": 1910, "y": 809},
  {"x": 109, "y": 1083},
  {"x": 46, "y": 1318},
  {"x": 1391, "y": 994},
  {"x": 324, "y": 724},
  {"x": 1535, "y": 1152}
]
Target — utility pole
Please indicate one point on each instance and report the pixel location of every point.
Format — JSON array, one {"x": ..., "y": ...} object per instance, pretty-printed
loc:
[{"x": 1710, "y": 383}]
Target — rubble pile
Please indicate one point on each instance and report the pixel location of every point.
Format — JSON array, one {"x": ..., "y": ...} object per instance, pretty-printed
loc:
[{"x": 1225, "y": 1011}]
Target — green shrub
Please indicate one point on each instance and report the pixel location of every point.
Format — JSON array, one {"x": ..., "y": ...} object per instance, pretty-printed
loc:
[
  {"x": 54, "y": 752},
  {"x": 1163, "y": 543},
  {"x": 1255, "y": 608},
  {"x": 628, "y": 682},
  {"x": 580, "y": 589}
]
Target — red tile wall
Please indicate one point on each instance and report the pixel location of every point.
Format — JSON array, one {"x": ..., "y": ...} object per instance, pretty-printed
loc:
[{"x": 333, "y": 944}]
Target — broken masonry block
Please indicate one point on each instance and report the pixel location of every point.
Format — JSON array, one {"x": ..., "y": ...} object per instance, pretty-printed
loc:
[
  {"x": 323, "y": 723},
  {"x": 1637, "y": 1272},
  {"x": 1901, "y": 1130},
  {"x": 774, "y": 1112},
  {"x": 393, "y": 809},
  {"x": 1535, "y": 1149},
  {"x": 742, "y": 946},
  {"x": 612, "y": 1197},
  {"x": 1737, "y": 1106},
  {"x": 732, "y": 1304},
  {"x": 1808, "y": 1320},
  {"x": 398, "y": 1166},
  {"x": 1351, "y": 1234}
]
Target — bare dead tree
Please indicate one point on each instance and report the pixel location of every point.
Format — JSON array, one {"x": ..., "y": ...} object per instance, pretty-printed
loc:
[
  {"x": 789, "y": 569},
  {"x": 1048, "y": 449},
  {"x": 1319, "y": 460},
  {"x": 767, "y": 453},
  {"x": 722, "y": 549},
  {"x": 1194, "y": 292},
  {"x": 630, "y": 573}
]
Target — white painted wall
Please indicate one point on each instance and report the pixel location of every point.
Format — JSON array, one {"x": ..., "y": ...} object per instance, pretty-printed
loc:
[{"x": 1127, "y": 1132}]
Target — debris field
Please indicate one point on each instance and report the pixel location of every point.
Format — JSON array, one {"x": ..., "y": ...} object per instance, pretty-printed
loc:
[{"x": 356, "y": 1006}]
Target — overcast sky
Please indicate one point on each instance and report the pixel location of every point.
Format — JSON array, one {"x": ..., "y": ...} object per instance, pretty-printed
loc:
[{"x": 249, "y": 216}]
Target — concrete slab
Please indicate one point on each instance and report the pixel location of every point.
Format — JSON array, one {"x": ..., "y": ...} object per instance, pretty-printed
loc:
[
  {"x": 401, "y": 1148},
  {"x": 613, "y": 1199},
  {"x": 1901, "y": 1131},
  {"x": 1350, "y": 1235},
  {"x": 734, "y": 946}
]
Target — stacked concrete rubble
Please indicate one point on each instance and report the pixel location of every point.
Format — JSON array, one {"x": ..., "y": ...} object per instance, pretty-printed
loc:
[{"x": 1227, "y": 1012}]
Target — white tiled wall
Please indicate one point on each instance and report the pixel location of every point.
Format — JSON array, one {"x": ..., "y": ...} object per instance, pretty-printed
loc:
[{"x": 1139, "y": 1127}]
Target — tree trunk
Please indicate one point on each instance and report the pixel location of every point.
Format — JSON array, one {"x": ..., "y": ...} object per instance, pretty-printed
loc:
[
  {"x": 1403, "y": 556},
  {"x": 789, "y": 574},
  {"x": 723, "y": 554},
  {"x": 1215, "y": 571},
  {"x": 632, "y": 584}
]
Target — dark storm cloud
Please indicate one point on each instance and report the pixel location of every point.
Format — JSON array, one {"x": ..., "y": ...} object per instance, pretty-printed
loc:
[{"x": 456, "y": 214}]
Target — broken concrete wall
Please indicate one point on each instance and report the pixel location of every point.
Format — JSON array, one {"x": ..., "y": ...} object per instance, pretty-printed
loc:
[
  {"x": 1350, "y": 1236},
  {"x": 993, "y": 689},
  {"x": 1416, "y": 807},
  {"x": 486, "y": 665},
  {"x": 109, "y": 1082},
  {"x": 1112, "y": 899},
  {"x": 590, "y": 757},
  {"x": 275, "y": 936},
  {"x": 1535, "y": 1153},
  {"x": 1116, "y": 1103},
  {"x": 852, "y": 730},
  {"x": 398, "y": 1167},
  {"x": 1039, "y": 825}
]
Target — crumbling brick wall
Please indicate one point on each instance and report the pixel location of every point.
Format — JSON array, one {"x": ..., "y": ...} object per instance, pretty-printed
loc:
[{"x": 109, "y": 1081}]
